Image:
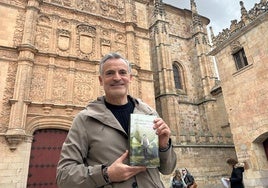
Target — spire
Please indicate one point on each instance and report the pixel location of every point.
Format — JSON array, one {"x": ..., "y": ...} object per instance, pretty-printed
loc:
[
  {"x": 193, "y": 7},
  {"x": 158, "y": 8},
  {"x": 212, "y": 36},
  {"x": 197, "y": 23},
  {"x": 244, "y": 13}
]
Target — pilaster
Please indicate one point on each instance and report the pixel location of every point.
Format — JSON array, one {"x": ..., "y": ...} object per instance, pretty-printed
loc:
[{"x": 20, "y": 101}]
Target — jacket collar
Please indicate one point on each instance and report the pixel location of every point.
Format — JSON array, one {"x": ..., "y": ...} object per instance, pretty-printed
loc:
[{"x": 100, "y": 112}]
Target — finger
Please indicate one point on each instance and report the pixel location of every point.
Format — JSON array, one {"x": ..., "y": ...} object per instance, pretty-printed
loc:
[
  {"x": 162, "y": 129},
  {"x": 157, "y": 122}
]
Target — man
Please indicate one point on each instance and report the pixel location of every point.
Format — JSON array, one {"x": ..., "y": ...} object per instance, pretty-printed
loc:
[
  {"x": 95, "y": 152},
  {"x": 145, "y": 145}
]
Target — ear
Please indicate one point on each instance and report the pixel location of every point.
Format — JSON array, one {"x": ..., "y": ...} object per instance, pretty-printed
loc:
[
  {"x": 100, "y": 80},
  {"x": 130, "y": 78}
]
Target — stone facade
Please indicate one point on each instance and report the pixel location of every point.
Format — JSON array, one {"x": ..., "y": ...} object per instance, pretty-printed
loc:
[
  {"x": 49, "y": 54},
  {"x": 245, "y": 89}
]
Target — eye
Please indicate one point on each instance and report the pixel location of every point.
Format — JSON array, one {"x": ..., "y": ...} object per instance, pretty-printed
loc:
[
  {"x": 123, "y": 72},
  {"x": 109, "y": 72}
]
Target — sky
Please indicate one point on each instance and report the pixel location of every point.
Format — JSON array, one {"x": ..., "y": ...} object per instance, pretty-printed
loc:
[{"x": 220, "y": 12}]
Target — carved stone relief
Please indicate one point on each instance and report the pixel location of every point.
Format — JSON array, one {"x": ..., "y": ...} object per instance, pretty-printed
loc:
[
  {"x": 44, "y": 20},
  {"x": 8, "y": 93},
  {"x": 105, "y": 33},
  {"x": 120, "y": 43},
  {"x": 120, "y": 37},
  {"x": 38, "y": 84},
  {"x": 62, "y": 2},
  {"x": 235, "y": 45},
  {"x": 63, "y": 24},
  {"x": 86, "y": 40},
  {"x": 63, "y": 39},
  {"x": 59, "y": 86},
  {"x": 113, "y": 9},
  {"x": 87, "y": 5},
  {"x": 83, "y": 88},
  {"x": 105, "y": 46},
  {"x": 42, "y": 38}
]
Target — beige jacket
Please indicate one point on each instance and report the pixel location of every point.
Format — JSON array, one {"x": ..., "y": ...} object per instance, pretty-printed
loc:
[{"x": 96, "y": 138}]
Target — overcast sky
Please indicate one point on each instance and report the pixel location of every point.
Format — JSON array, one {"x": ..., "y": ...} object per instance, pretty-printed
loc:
[{"x": 220, "y": 12}]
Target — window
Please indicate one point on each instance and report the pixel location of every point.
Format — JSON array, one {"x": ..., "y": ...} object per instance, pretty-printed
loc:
[
  {"x": 240, "y": 59},
  {"x": 177, "y": 77}
]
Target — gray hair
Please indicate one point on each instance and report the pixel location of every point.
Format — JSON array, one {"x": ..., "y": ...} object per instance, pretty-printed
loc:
[{"x": 113, "y": 55}]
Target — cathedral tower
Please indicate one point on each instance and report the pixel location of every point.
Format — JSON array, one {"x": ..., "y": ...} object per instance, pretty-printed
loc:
[{"x": 165, "y": 93}]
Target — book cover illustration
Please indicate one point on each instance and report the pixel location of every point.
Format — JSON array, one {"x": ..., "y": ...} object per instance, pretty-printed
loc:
[{"x": 143, "y": 142}]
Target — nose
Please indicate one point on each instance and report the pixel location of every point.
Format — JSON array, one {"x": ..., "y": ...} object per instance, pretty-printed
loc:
[{"x": 117, "y": 76}]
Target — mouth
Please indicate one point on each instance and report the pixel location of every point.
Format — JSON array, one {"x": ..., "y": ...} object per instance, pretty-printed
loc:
[{"x": 117, "y": 84}]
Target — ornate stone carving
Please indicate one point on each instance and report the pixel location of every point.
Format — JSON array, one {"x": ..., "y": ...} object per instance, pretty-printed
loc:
[
  {"x": 8, "y": 93},
  {"x": 235, "y": 46},
  {"x": 38, "y": 84},
  {"x": 44, "y": 20},
  {"x": 63, "y": 39},
  {"x": 113, "y": 9},
  {"x": 42, "y": 38},
  {"x": 105, "y": 46},
  {"x": 86, "y": 39},
  {"x": 83, "y": 88},
  {"x": 87, "y": 5},
  {"x": 59, "y": 86},
  {"x": 64, "y": 24},
  {"x": 62, "y": 2},
  {"x": 14, "y": 137}
]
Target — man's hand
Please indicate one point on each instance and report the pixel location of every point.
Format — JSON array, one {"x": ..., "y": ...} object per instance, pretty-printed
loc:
[
  {"x": 118, "y": 171},
  {"x": 163, "y": 132}
]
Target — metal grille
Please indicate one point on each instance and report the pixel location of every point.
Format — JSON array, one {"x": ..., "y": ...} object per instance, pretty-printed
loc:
[{"x": 45, "y": 153}]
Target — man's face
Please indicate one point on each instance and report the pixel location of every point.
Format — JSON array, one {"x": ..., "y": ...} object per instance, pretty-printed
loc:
[{"x": 115, "y": 79}]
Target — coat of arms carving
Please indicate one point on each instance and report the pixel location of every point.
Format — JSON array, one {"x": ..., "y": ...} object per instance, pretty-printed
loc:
[{"x": 86, "y": 38}]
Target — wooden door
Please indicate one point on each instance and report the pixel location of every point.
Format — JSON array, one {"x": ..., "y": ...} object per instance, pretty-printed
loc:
[{"x": 45, "y": 152}]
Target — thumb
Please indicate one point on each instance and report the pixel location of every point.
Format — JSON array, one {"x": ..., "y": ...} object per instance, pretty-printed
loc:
[{"x": 122, "y": 157}]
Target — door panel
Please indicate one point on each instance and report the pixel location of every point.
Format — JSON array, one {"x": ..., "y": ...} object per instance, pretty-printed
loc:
[{"x": 45, "y": 153}]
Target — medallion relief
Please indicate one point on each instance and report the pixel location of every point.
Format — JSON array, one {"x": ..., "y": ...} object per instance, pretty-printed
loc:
[{"x": 83, "y": 88}]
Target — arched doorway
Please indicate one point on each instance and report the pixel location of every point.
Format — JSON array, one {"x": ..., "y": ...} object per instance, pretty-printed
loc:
[{"x": 45, "y": 152}]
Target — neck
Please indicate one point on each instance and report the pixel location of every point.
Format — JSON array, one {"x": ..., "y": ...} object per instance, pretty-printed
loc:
[{"x": 117, "y": 101}]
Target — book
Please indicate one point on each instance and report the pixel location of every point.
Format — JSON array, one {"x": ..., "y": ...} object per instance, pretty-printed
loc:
[{"x": 143, "y": 141}]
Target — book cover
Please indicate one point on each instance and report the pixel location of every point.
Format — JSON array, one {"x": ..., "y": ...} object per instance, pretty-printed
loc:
[{"x": 143, "y": 142}]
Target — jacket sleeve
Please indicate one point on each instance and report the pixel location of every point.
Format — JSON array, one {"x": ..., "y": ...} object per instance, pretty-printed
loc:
[
  {"x": 168, "y": 160},
  {"x": 72, "y": 171}
]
